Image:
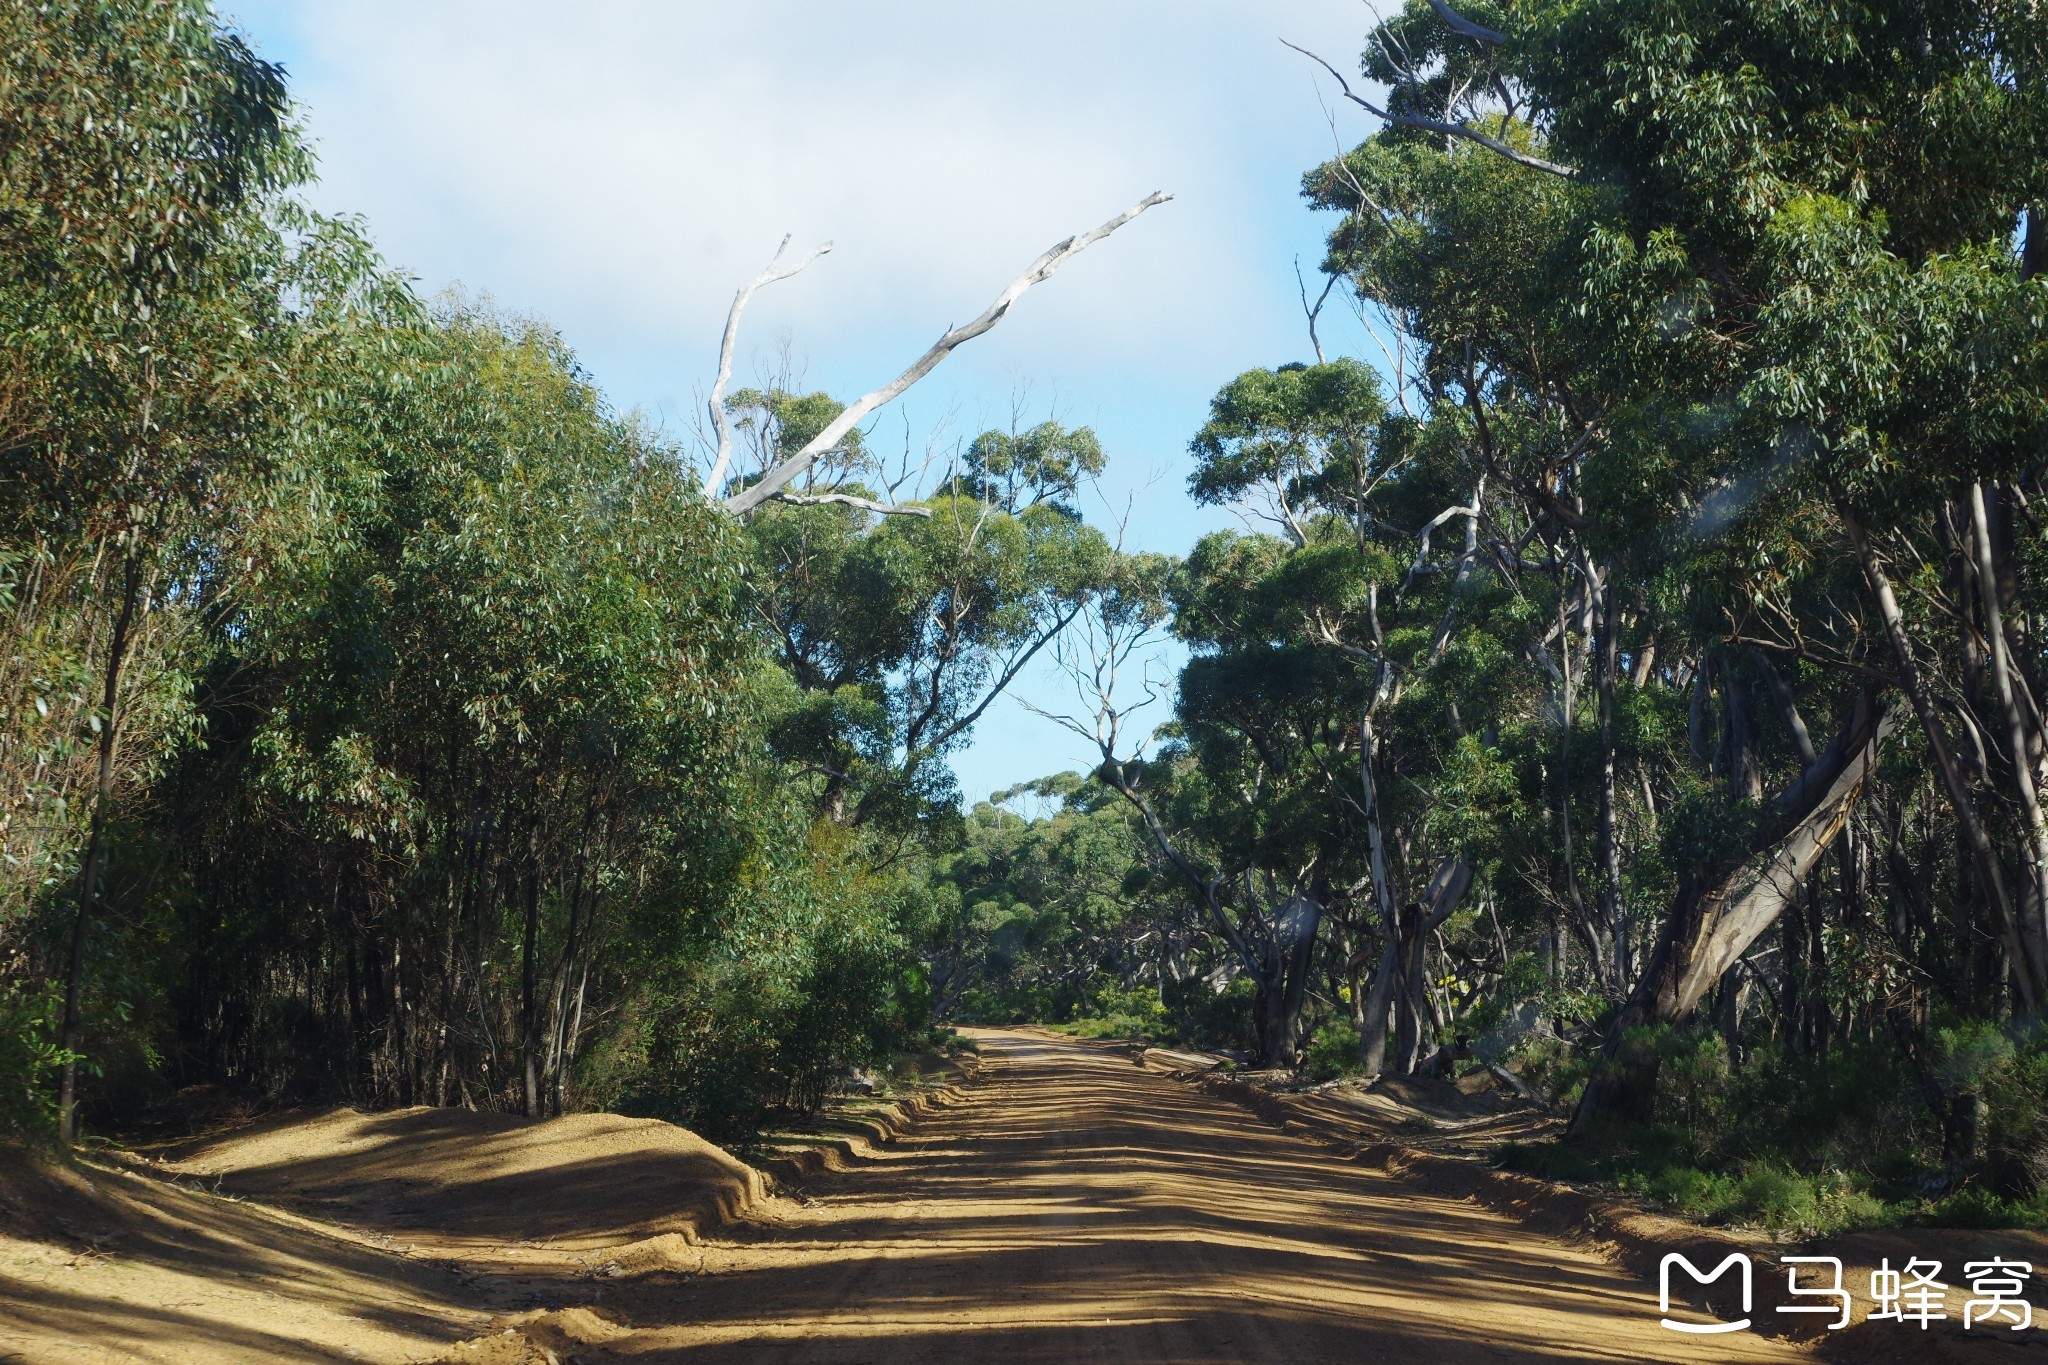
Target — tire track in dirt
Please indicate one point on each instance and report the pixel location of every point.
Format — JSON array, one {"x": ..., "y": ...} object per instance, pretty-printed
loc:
[{"x": 1079, "y": 1209}]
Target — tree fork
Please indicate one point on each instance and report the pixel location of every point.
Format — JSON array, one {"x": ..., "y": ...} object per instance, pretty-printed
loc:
[{"x": 1719, "y": 912}]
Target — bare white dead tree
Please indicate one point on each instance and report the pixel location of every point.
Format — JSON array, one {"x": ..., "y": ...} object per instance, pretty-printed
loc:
[
  {"x": 887, "y": 509},
  {"x": 720, "y": 421},
  {"x": 771, "y": 486}
]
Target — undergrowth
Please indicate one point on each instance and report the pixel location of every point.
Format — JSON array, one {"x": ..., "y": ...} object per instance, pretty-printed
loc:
[{"x": 1810, "y": 1147}]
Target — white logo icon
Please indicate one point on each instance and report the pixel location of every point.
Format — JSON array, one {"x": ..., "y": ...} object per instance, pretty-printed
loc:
[{"x": 1736, "y": 1259}]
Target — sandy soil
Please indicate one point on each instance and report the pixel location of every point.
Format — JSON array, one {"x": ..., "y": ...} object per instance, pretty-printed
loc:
[
  {"x": 1075, "y": 1208},
  {"x": 351, "y": 1236},
  {"x": 1081, "y": 1209},
  {"x": 484, "y": 1190},
  {"x": 105, "y": 1266}
]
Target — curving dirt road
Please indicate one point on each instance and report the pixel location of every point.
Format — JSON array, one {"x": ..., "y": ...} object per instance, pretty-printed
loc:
[{"x": 1077, "y": 1209}]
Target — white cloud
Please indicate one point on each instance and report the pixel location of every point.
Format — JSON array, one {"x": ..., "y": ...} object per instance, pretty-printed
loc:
[{"x": 620, "y": 167}]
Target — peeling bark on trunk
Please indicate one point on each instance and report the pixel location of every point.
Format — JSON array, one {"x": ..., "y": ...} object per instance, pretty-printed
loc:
[
  {"x": 1721, "y": 910},
  {"x": 1446, "y": 891},
  {"x": 1372, "y": 1037},
  {"x": 1372, "y": 1033},
  {"x": 1286, "y": 989}
]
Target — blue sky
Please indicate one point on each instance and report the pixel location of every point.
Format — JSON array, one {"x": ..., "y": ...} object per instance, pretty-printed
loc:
[{"x": 619, "y": 167}]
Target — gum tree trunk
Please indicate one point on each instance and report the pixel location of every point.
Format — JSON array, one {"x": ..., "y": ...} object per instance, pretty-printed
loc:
[
  {"x": 1721, "y": 910},
  {"x": 95, "y": 844}
]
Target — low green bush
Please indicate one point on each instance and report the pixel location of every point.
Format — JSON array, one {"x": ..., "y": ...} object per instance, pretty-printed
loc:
[
  {"x": 1133, "y": 1027},
  {"x": 29, "y": 1060},
  {"x": 1332, "y": 1053},
  {"x": 1810, "y": 1146}
]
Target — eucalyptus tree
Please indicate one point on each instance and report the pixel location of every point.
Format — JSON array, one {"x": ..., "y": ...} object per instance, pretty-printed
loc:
[
  {"x": 140, "y": 146},
  {"x": 898, "y": 632},
  {"x": 1797, "y": 374},
  {"x": 1858, "y": 314},
  {"x": 1048, "y": 912},
  {"x": 1047, "y": 464},
  {"x": 393, "y": 705},
  {"x": 1395, "y": 598},
  {"x": 1470, "y": 258},
  {"x": 479, "y": 697},
  {"x": 899, "y": 621},
  {"x": 1230, "y": 805}
]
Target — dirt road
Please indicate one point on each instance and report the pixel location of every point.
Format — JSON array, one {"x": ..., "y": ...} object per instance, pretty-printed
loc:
[
  {"x": 1070, "y": 1208},
  {"x": 1078, "y": 1209}
]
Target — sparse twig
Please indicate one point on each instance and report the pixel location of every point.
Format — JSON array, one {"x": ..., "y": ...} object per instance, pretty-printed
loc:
[{"x": 1457, "y": 130}]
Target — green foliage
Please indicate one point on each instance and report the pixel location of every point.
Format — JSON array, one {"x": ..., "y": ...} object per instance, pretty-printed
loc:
[
  {"x": 29, "y": 1059},
  {"x": 1808, "y": 1147},
  {"x": 1045, "y": 465},
  {"x": 1303, "y": 432},
  {"x": 459, "y": 750},
  {"x": 447, "y": 759},
  {"x": 805, "y": 984},
  {"x": 1038, "y": 923},
  {"x": 1332, "y": 1053},
  {"x": 895, "y": 637},
  {"x": 1779, "y": 1200},
  {"x": 1137, "y": 1015},
  {"x": 1109, "y": 1012},
  {"x": 144, "y": 253}
]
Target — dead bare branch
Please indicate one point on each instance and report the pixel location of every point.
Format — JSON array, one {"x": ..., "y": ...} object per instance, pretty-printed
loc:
[
  {"x": 887, "y": 509},
  {"x": 1457, "y": 130},
  {"x": 1315, "y": 311},
  {"x": 1040, "y": 270},
  {"x": 719, "y": 421},
  {"x": 1464, "y": 27}
]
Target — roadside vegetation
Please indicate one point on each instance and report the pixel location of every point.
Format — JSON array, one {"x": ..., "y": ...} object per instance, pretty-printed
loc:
[
  {"x": 383, "y": 716},
  {"x": 1638, "y": 673},
  {"x": 1631, "y": 675}
]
